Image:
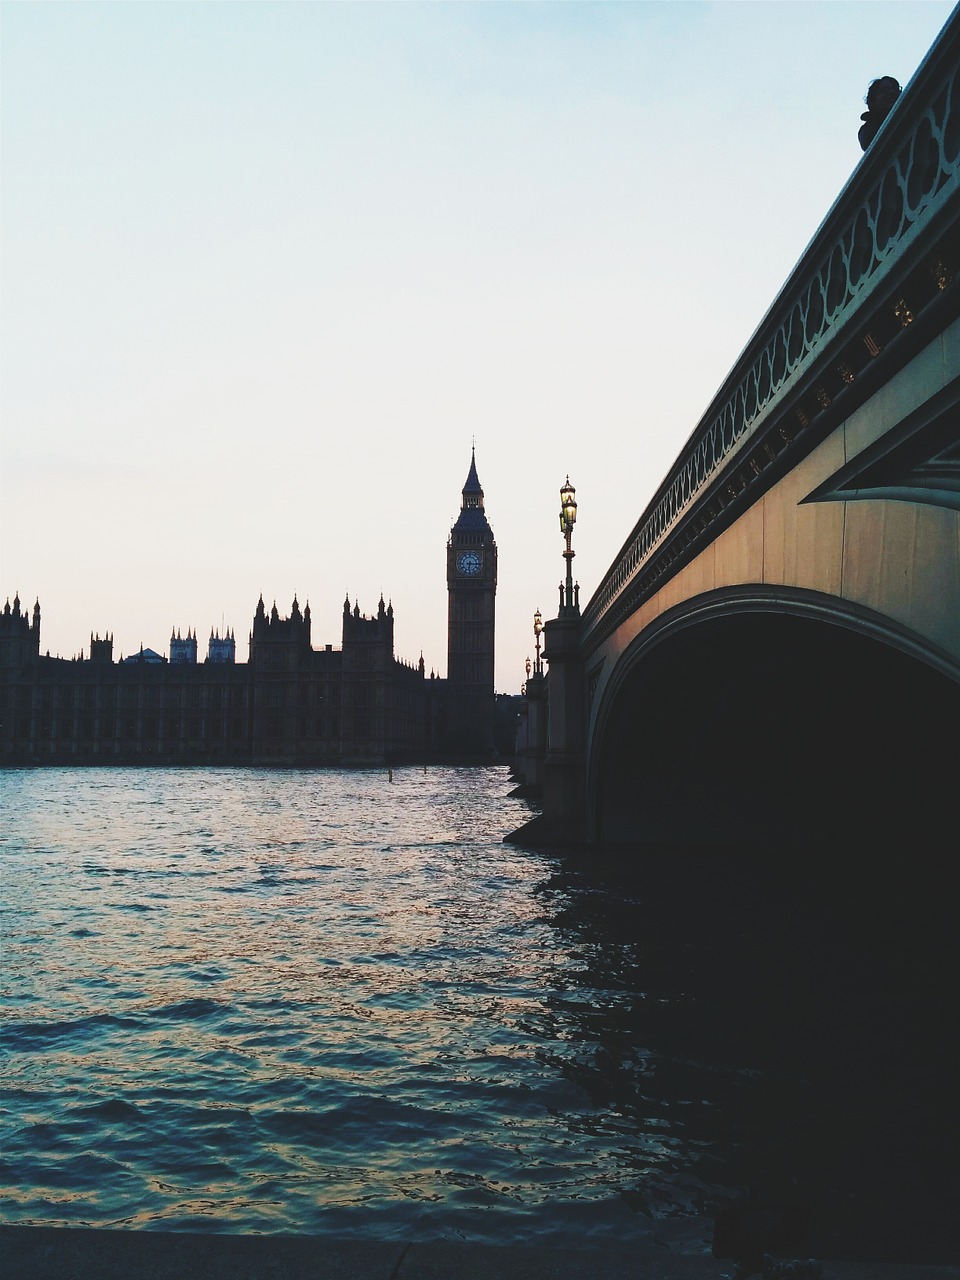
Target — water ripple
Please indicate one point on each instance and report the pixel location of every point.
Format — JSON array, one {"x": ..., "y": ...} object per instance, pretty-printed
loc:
[{"x": 294, "y": 1002}]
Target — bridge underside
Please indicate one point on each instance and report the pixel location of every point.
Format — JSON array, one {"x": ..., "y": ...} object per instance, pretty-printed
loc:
[{"x": 780, "y": 729}]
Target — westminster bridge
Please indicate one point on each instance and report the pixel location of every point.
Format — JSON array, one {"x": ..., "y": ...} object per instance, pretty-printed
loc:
[{"x": 776, "y": 647}]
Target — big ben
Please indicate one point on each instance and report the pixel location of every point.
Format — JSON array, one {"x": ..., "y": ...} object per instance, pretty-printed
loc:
[{"x": 471, "y": 596}]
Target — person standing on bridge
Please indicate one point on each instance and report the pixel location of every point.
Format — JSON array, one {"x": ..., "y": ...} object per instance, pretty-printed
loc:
[{"x": 881, "y": 96}]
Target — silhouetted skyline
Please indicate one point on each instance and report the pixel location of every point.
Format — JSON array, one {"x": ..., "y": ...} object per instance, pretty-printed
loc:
[{"x": 270, "y": 269}]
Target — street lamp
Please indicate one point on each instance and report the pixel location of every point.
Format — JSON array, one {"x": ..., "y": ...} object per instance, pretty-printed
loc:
[
  {"x": 569, "y": 600},
  {"x": 537, "y": 628}
]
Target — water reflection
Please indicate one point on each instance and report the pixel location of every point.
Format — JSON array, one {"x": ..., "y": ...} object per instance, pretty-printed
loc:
[
  {"x": 298, "y": 1002},
  {"x": 745, "y": 1023}
]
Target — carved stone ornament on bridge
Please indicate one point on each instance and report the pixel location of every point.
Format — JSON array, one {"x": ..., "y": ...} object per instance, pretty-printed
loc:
[
  {"x": 941, "y": 275},
  {"x": 593, "y": 681},
  {"x": 903, "y": 312}
]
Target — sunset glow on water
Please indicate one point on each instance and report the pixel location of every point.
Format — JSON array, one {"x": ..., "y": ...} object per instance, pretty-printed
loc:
[{"x": 261, "y": 1001}]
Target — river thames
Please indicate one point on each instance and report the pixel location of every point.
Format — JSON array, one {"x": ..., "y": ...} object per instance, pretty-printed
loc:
[{"x": 264, "y": 1001}]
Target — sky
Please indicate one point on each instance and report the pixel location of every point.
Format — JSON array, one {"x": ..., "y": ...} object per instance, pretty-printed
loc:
[{"x": 270, "y": 270}]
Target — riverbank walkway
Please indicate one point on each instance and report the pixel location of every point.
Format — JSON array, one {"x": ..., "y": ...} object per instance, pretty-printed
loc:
[{"x": 57, "y": 1253}]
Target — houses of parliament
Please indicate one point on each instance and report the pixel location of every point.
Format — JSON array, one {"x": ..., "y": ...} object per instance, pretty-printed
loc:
[{"x": 289, "y": 705}]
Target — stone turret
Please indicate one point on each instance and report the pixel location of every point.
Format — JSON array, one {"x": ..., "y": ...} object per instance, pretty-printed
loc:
[
  {"x": 221, "y": 649},
  {"x": 183, "y": 650},
  {"x": 280, "y": 643},
  {"x": 358, "y": 628},
  {"x": 19, "y": 637},
  {"x": 101, "y": 651}
]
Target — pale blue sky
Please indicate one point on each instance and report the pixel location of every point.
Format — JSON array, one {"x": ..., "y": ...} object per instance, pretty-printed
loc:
[{"x": 268, "y": 268}]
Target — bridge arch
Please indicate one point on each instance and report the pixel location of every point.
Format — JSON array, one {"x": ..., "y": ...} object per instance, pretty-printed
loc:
[{"x": 755, "y": 714}]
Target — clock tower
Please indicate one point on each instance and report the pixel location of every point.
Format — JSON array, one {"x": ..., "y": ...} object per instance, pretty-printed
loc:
[{"x": 471, "y": 593}]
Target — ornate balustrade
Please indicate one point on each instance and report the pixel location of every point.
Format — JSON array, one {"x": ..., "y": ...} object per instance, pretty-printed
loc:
[{"x": 875, "y": 278}]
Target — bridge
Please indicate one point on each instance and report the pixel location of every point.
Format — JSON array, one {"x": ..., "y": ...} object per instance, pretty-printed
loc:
[{"x": 776, "y": 647}]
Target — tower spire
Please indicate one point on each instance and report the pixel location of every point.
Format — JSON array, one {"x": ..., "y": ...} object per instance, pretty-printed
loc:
[{"x": 472, "y": 490}]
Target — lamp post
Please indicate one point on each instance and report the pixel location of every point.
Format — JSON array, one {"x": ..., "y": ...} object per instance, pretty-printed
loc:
[
  {"x": 569, "y": 598},
  {"x": 537, "y": 628}
]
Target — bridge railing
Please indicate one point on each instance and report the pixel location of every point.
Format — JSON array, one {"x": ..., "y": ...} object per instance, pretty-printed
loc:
[{"x": 812, "y": 346}]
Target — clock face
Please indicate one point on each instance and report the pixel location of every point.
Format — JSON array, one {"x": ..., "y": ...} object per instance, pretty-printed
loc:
[{"x": 469, "y": 563}]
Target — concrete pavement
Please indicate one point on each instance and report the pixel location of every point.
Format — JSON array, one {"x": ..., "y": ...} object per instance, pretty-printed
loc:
[{"x": 60, "y": 1253}]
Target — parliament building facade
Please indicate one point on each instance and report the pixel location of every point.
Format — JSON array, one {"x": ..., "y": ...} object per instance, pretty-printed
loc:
[{"x": 290, "y": 704}]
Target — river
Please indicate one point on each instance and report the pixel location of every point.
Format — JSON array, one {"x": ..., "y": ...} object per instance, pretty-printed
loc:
[{"x": 265, "y": 1001}]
